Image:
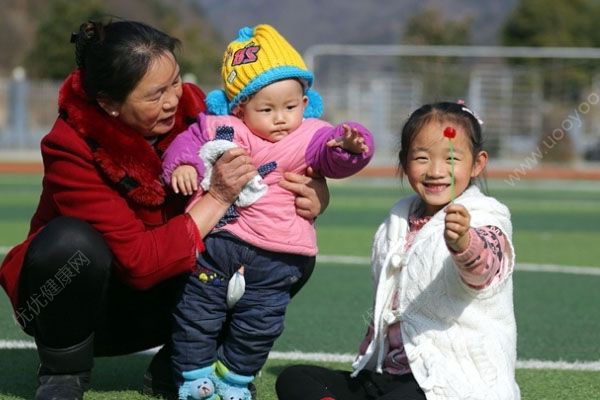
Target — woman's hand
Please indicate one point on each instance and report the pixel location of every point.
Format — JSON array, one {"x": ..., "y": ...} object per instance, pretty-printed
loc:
[
  {"x": 312, "y": 193},
  {"x": 456, "y": 230},
  {"x": 230, "y": 173}
]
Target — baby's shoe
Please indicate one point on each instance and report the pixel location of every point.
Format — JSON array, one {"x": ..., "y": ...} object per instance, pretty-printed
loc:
[
  {"x": 233, "y": 393},
  {"x": 198, "y": 385},
  {"x": 229, "y": 385}
]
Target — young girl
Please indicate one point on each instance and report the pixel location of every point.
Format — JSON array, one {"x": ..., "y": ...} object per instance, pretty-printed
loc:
[
  {"x": 269, "y": 109},
  {"x": 443, "y": 325}
]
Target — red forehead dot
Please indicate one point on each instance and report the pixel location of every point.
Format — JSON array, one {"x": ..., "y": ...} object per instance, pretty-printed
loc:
[{"x": 450, "y": 132}]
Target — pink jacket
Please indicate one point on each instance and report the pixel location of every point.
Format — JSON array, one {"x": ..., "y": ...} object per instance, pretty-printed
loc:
[{"x": 271, "y": 223}]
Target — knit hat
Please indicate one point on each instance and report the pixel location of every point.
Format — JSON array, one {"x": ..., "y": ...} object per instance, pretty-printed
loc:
[{"x": 258, "y": 57}]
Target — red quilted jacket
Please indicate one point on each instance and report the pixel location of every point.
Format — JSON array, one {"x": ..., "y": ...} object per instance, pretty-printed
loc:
[{"x": 101, "y": 171}]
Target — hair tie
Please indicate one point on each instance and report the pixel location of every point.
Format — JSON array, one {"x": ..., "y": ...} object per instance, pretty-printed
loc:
[
  {"x": 82, "y": 39},
  {"x": 468, "y": 110}
]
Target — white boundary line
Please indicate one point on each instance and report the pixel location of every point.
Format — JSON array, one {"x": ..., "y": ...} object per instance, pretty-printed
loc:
[
  {"x": 522, "y": 364},
  {"x": 564, "y": 269},
  {"x": 16, "y": 344},
  {"x": 352, "y": 260},
  {"x": 348, "y": 358},
  {"x": 561, "y": 365}
]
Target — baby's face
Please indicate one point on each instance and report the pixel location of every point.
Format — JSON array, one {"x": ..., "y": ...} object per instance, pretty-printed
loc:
[{"x": 275, "y": 111}]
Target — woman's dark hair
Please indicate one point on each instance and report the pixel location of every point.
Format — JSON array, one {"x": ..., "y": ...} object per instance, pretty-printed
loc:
[
  {"x": 444, "y": 111},
  {"x": 115, "y": 56}
]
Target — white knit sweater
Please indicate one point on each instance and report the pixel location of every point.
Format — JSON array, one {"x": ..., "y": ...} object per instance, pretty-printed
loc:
[{"x": 460, "y": 342}]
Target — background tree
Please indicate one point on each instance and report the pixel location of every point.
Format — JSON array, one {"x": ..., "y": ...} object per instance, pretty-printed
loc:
[
  {"x": 52, "y": 56},
  {"x": 202, "y": 50},
  {"x": 442, "y": 77},
  {"x": 430, "y": 28},
  {"x": 557, "y": 23},
  {"x": 560, "y": 23}
]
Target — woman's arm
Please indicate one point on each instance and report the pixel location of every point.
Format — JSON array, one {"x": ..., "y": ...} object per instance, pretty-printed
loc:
[{"x": 145, "y": 252}]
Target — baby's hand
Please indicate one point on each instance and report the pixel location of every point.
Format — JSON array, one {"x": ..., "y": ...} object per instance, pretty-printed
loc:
[
  {"x": 456, "y": 230},
  {"x": 352, "y": 141},
  {"x": 184, "y": 179}
]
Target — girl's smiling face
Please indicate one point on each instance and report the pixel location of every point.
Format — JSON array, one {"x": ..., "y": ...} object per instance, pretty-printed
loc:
[{"x": 428, "y": 168}]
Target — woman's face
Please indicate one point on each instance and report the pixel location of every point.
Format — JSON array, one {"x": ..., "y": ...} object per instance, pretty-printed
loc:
[{"x": 150, "y": 107}]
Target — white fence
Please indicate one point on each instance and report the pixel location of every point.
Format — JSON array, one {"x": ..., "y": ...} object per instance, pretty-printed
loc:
[
  {"x": 524, "y": 95},
  {"x": 27, "y": 111}
]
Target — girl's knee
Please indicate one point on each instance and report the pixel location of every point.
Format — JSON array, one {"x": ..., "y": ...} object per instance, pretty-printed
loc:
[
  {"x": 291, "y": 374},
  {"x": 292, "y": 382}
]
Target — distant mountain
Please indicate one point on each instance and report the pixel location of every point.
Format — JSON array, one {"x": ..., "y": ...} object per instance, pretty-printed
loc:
[{"x": 310, "y": 22}]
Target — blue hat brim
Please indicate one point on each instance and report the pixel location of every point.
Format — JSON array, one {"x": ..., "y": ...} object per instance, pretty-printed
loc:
[
  {"x": 268, "y": 77},
  {"x": 217, "y": 103}
]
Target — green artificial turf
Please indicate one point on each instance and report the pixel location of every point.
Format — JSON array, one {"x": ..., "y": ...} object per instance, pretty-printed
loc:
[{"x": 557, "y": 314}]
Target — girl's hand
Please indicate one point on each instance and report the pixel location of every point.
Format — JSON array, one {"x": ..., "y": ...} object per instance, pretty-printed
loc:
[
  {"x": 352, "y": 141},
  {"x": 312, "y": 194},
  {"x": 457, "y": 224},
  {"x": 230, "y": 173},
  {"x": 185, "y": 180}
]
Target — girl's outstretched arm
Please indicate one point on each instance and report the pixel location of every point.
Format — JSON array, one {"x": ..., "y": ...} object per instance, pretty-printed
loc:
[{"x": 477, "y": 252}]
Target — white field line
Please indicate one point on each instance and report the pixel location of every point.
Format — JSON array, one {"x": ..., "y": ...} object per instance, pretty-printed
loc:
[
  {"x": 522, "y": 364},
  {"x": 564, "y": 269},
  {"x": 299, "y": 356},
  {"x": 16, "y": 344},
  {"x": 333, "y": 357},
  {"x": 352, "y": 260}
]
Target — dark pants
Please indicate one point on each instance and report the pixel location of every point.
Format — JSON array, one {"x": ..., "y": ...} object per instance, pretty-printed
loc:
[
  {"x": 68, "y": 291},
  {"x": 308, "y": 382},
  {"x": 201, "y": 335}
]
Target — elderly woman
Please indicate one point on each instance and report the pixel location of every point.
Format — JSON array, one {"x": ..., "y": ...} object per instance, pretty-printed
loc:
[{"x": 102, "y": 264}]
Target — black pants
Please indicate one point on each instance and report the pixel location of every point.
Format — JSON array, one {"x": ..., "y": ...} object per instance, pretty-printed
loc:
[
  {"x": 309, "y": 382},
  {"x": 67, "y": 291}
]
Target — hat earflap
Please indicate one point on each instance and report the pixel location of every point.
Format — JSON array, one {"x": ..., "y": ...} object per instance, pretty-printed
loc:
[
  {"x": 314, "y": 108},
  {"x": 217, "y": 103}
]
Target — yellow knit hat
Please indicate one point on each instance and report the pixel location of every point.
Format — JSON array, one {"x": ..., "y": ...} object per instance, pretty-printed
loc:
[{"x": 258, "y": 57}]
